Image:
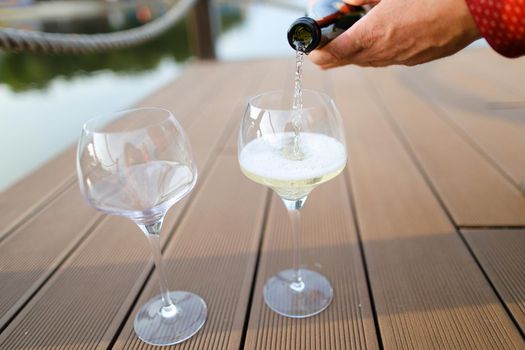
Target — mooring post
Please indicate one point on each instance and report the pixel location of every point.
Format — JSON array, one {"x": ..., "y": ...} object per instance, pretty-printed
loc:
[{"x": 202, "y": 28}]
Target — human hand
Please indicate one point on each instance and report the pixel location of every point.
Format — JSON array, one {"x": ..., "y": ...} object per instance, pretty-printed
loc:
[{"x": 405, "y": 32}]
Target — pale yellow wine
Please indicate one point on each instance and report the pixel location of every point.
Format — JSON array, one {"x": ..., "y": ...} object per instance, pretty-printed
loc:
[{"x": 270, "y": 161}]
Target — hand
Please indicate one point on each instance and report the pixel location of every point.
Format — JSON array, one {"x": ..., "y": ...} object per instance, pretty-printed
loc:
[{"x": 405, "y": 32}]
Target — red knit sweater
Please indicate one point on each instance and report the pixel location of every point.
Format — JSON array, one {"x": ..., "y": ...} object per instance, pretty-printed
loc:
[{"x": 501, "y": 23}]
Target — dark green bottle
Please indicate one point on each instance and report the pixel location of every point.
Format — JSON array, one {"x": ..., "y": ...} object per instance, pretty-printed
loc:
[{"x": 324, "y": 20}]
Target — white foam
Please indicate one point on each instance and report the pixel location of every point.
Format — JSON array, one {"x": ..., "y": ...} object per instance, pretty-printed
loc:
[{"x": 264, "y": 156}]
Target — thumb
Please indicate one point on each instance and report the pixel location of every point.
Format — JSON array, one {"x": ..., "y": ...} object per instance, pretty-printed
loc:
[{"x": 361, "y": 2}]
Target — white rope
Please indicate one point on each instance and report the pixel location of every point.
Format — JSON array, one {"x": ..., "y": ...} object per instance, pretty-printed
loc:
[{"x": 25, "y": 40}]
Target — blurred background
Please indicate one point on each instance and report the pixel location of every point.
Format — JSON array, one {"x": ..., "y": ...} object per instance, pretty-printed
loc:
[{"x": 45, "y": 98}]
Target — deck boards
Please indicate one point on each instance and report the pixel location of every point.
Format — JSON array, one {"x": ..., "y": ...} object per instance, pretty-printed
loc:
[
  {"x": 500, "y": 253},
  {"x": 135, "y": 272},
  {"x": 432, "y": 149},
  {"x": 330, "y": 246},
  {"x": 34, "y": 192},
  {"x": 475, "y": 106},
  {"x": 32, "y": 253},
  {"x": 227, "y": 250},
  {"x": 56, "y": 230},
  {"x": 460, "y": 174},
  {"x": 427, "y": 289}
]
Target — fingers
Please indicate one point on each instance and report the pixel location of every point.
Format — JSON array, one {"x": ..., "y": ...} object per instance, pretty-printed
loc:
[
  {"x": 344, "y": 49},
  {"x": 351, "y": 47},
  {"x": 361, "y": 2}
]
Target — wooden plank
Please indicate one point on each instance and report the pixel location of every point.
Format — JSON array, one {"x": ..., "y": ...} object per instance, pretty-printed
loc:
[
  {"x": 329, "y": 245},
  {"x": 507, "y": 77},
  {"x": 214, "y": 257},
  {"x": 31, "y": 255},
  {"x": 500, "y": 253},
  {"x": 469, "y": 102},
  {"x": 184, "y": 95},
  {"x": 29, "y": 195},
  {"x": 110, "y": 258},
  {"x": 251, "y": 72},
  {"x": 225, "y": 114},
  {"x": 80, "y": 300},
  {"x": 459, "y": 173},
  {"x": 34, "y": 251},
  {"x": 428, "y": 291},
  {"x": 282, "y": 72}
]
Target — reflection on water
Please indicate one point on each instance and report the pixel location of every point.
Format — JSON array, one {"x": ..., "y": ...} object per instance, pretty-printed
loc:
[
  {"x": 44, "y": 99},
  {"x": 35, "y": 71},
  {"x": 24, "y": 71}
]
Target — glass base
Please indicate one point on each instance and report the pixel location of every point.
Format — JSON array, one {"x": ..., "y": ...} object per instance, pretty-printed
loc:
[
  {"x": 298, "y": 300},
  {"x": 158, "y": 326}
]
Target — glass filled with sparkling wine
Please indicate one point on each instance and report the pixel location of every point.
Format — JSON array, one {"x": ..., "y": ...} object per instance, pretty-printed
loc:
[
  {"x": 293, "y": 146},
  {"x": 137, "y": 164}
]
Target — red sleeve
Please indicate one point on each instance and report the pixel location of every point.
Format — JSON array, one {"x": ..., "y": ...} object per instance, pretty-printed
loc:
[{"x": 501, "y": 23}]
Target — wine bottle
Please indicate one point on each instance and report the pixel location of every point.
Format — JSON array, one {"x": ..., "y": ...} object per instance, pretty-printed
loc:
[{"x": 324, "y": 20}]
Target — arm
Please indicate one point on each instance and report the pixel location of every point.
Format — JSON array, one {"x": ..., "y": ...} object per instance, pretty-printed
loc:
[
  {"x": 401, "y": 32},
  {"x": 502, "y": 24}
]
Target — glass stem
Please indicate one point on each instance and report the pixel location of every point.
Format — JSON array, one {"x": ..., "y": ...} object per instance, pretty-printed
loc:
[
  {"x": 294, "y": 207},
  {"x": 152, "y": 232}
]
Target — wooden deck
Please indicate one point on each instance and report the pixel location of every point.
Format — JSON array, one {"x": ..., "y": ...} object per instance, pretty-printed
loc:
[{"x": 423, "y": 238}]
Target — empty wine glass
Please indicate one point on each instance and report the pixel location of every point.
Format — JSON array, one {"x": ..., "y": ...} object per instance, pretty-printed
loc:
[
  {"x": 292, "y": 150},
  {"x": 137, "y": 164}
]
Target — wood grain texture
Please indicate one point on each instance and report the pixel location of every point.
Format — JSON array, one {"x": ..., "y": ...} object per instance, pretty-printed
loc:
[
  {"x": 222, "y": 115},
  {"x": 262, "y": 74},
  {"x": 503, "y": 74},
  {"x": 77, "y": 283},
  {"x": 475, "y": 104},
  {"x": 206, "y": 253},
  {"x": 460, "y": 174},
  {"x": 39, "y": 245},
  {"x": 32, "y": 193},
  {"x": 500, "y": 253},
  {"x": 36, "y": 249},
  {"x": 330, "y": 246},
  {"x": 428, "y": 291},
  {"x": 280, "y": 71},
  {"x": 128, "y": 268}
]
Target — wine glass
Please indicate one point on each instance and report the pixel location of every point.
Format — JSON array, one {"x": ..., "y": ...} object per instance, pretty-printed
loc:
[
  {"x": 292, "y": 150},
  {"x": 137, "y": 163}
]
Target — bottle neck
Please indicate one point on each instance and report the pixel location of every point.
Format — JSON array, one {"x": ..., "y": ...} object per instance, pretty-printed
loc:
[
  {"x": 323, "y": 24},
  {"x": 304, "y": 34}
]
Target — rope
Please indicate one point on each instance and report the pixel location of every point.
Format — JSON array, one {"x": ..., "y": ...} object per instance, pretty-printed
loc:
[{"x": 25, "y": 40}]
